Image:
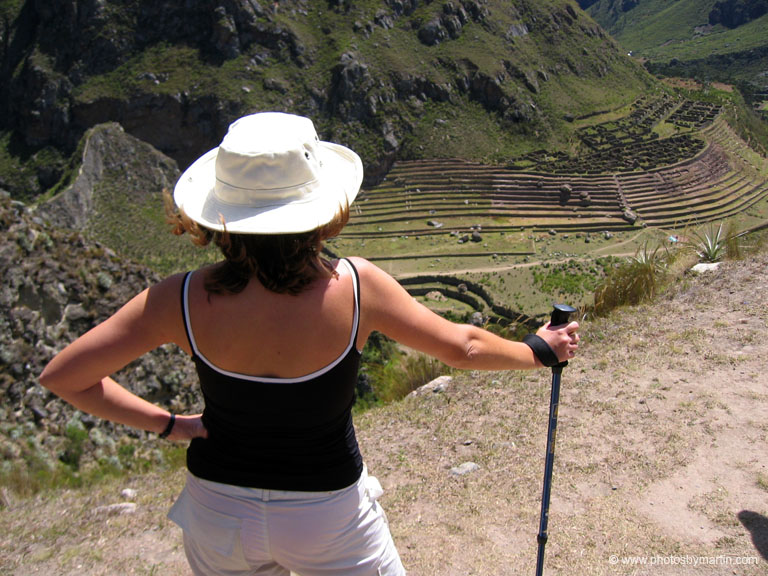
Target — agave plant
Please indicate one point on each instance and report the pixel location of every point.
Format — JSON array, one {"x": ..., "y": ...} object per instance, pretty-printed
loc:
[
  {"x": 710, "y": 246},
  {"x": 655, "y": 260}
]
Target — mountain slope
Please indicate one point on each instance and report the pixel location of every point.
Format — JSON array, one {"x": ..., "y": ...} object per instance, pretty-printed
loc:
[
  {"x": 497, "y": 77},
  {"x": 692, "y": 35}
]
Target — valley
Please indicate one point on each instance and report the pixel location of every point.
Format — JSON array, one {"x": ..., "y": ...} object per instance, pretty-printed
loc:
[{"x": 495, "y": 224}]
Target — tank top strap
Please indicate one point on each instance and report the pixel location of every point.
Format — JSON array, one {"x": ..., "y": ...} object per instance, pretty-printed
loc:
[
  {"x": 356, "y": 282},
  {"x": 185, "y": 312}
]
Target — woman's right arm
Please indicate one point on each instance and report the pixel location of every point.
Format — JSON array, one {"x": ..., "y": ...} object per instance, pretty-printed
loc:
[
  {"x": 388, "y": 308},
  {"x": 81, "y": 373}
]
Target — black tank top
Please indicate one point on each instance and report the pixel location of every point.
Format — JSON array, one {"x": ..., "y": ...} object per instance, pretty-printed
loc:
[{"x": 278, "y": 433}]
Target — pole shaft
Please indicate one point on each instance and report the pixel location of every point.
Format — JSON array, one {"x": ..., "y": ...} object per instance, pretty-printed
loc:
[
  {"x": 560, "y": 315},
  {"x": 549, "y": 462}
]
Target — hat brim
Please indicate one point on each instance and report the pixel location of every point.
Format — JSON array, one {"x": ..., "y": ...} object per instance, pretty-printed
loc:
[{"x": 337, "y": 187}]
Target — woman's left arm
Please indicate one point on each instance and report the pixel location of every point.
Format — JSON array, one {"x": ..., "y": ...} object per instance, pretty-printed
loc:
[{"x": 80, "y": 374}]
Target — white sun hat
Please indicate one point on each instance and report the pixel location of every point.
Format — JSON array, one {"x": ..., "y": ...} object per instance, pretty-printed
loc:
[{"x": 270, "y": 175}]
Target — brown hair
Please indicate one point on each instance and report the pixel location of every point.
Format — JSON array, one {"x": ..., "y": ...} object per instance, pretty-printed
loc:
[{"x": 283, "y": 263}]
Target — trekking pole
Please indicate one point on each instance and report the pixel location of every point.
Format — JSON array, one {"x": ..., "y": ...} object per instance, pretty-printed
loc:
[{"x": 560, "y": 315}]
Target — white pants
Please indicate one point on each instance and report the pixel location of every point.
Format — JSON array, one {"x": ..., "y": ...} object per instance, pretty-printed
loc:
[{"x": 233, "y": 531}]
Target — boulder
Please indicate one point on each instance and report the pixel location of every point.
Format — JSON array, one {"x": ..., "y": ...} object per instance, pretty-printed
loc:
[
  {"x": 705, "y": 267},
  {"x": 439, "y": 384},
  {"x": 629, "y": 216}
]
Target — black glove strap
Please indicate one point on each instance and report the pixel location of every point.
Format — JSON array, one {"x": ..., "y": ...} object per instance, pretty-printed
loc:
[{"x": 543, "y": 352}]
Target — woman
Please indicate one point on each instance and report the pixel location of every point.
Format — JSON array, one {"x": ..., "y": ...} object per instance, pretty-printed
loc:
[{"x": 276, "y": 482}]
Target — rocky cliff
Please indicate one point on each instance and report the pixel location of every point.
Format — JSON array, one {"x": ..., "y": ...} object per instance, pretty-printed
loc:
[
  {"x": 375, "y": 75},
  {"x": 107, "y": 154},
  {"x": 56, "y": 286}
]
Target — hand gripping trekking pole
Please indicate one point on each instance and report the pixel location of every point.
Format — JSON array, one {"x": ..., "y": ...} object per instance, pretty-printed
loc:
[{"x": 560, "y": 315}]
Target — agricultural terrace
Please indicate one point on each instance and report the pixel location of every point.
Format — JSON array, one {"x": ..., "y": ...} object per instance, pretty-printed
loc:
[{"x": 507, "y": 241}]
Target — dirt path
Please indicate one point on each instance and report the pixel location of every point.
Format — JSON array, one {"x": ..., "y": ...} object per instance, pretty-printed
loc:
[
  {"x": 661, "y": 465},
  {"x": 604, "y": 251}
]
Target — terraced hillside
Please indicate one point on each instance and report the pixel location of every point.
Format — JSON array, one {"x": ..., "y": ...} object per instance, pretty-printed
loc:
[
  {"x": 451, "y": 217},
  {"x": 434, "y": 197}
]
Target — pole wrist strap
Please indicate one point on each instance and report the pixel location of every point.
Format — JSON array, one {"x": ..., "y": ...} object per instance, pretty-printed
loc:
[{"x": 541, "y": 349}]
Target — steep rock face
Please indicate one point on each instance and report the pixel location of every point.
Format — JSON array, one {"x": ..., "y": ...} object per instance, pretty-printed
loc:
[
  {"x": 450, "y": 23},
  {"x": 176, "y": 74},
  {"x": 181, "y": 128},
  {"x": 350, "y": 86},
  {"x": 107, "y": 146},
  {"x": 53, "y": 47}
]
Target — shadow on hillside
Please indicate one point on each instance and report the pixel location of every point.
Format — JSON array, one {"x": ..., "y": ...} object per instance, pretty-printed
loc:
[{"x": 757, "y": 524}]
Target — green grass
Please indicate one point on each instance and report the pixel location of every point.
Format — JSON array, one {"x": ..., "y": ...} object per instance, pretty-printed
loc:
[
  {"x": 654, "y": 22},
  {"x": 748, "y": 124},
  {"x": 177, "y": 67},
  {"x": 572, "y": 278},
  {"x": 468, "y": 132},
  {"x": 662, "y": 30},
  {"x": 134, "y": 225},
  {"x": 667, "y": 40},
  {"x": 37, "y": 472},
  {"x": 679, "y": 32}
]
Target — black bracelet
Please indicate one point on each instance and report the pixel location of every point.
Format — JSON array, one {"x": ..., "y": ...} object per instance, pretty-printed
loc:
[
  {"x": 543, "y": 352},
  {"x": 165, "y": 433}
]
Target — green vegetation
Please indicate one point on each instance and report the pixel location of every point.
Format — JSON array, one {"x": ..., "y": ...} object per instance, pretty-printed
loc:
[
  {"x": 473, "y": 134},
  {"x": 663, "y": 30},
  {"x": 22, "y": 166},
  {"x": 633, "y": 281},
  {"x": 711, "y": 244},
  {"x": 482, "y": 94},
  {"x": 572, "y": 278},
  {"x": 676, "y": 39},
  {"x": 578, "y": 102},
  {"x": 135, "y": 225},
  {"x": 511, "y": 232},
  {"x": 106, "y": 458},
  {"x": 389, "y": 373},
  {"x": 651, "y": 270},
  {"x": 748, "y": 124}
]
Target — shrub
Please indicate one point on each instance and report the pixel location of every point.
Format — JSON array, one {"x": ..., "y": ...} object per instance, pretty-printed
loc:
[
  {"x": 417, "y": 369},
  {"x": 76, "y": 436},
  {"x": 388, "y": 374},
  {"x": 733, "y": 244},
  {"x": 636, "y": 280}
]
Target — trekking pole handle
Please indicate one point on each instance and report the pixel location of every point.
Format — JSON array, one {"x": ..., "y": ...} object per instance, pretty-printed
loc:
[{"x": 561, "y": 314}]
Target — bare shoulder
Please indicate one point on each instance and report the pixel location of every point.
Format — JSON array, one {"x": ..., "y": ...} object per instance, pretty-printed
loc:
[
  {"x": 382, "y": 293},
  {"x": 376, "y": 282},
  {"x": 360, "y": 264},
  {"x": 368, "y": 271},
  {"x": 158, "y": 309},
  {"x": 389, "y": 308},
  {"x": 165, "y": 291}
]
